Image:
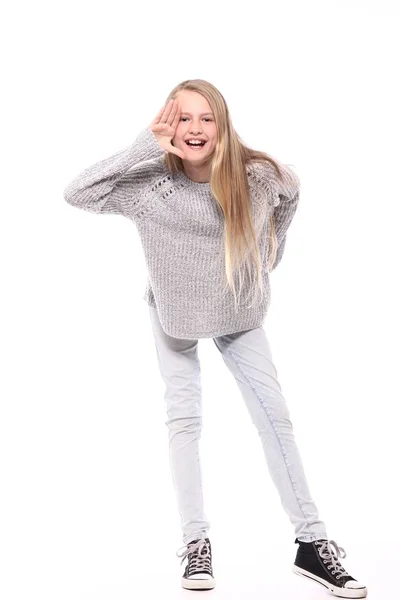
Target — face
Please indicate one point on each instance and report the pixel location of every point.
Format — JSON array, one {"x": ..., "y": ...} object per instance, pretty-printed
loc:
[{"x": 196, "y": 121}]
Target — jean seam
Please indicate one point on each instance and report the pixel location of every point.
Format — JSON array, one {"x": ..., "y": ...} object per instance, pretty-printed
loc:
[
  {"x": 201, "y": 418},
  {"x": 273, "y": 427}
]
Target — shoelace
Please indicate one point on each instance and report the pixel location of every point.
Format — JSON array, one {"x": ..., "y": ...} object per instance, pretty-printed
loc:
[
  {"x": 326, "y": 553},
  {"x": 198, "y": 560}
]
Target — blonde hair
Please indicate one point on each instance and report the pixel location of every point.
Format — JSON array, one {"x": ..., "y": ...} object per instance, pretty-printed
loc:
[{"x": 229, "y": 185}]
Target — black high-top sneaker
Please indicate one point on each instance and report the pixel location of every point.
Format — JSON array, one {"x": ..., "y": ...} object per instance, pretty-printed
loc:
[
  {"x": 316, "y": 561},
  {"x": 198, "y": 573}
]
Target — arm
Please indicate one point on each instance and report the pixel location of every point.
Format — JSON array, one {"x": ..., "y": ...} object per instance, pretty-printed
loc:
[
  {"x": 113, "y": 185},
  {"x": 283, "y": 216},
  {"x": 285, "y": 204}
]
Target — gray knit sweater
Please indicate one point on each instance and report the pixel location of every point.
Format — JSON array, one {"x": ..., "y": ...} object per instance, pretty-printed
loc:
[{"x": 181, "y": 229}]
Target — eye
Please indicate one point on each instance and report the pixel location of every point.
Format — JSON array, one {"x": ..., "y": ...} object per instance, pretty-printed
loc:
[{"x": 206, "y": 118}]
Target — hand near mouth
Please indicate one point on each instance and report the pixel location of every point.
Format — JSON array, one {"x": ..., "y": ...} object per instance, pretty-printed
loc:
[{"x": 164, "y": 126}]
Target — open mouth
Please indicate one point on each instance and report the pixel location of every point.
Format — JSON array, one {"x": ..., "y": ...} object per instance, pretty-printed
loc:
[{"x": 196, "y": 145}]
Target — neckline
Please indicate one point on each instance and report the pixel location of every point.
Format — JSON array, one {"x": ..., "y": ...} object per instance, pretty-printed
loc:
[{"x": 181, "y": 177}]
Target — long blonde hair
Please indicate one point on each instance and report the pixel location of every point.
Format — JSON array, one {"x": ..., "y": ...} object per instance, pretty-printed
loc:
[{"x": 230, "y": 187}]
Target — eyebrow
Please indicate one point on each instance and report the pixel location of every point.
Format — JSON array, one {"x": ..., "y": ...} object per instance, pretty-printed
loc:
[{"x": 202, "y": 115}]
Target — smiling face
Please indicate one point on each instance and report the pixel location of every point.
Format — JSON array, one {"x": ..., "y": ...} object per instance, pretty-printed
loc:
[{"x": 196, "y": 122}]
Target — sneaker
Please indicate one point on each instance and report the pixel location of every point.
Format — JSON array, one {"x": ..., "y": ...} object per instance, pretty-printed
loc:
[
  {"x": 316, "y": 561},
  {"x": 198, "y": 573}
]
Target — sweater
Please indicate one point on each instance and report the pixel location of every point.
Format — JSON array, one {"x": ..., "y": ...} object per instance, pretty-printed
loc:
[{"x": 181, "y": 230}]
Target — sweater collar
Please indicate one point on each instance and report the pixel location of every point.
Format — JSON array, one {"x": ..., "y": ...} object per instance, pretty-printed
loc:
[{"x": 189, "y": 184}]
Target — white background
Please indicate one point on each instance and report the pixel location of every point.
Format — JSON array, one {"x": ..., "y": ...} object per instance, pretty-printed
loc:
[{"x": 87, "y": 505}]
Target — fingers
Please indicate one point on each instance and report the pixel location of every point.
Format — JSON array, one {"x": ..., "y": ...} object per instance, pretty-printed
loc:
[
  {"x": 157, "y": 117},
  {"x": 167, "y": 114},
  {"x": 176, "y": 116}
]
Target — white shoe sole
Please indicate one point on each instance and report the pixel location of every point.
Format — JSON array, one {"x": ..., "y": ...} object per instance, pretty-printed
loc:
[
  {"x": 336, "y": 591},
  {"x": 198, "y": 584}
]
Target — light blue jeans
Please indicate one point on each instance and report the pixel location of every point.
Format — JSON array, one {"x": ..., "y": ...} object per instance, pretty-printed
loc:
[{"x": 247, "y": 355}]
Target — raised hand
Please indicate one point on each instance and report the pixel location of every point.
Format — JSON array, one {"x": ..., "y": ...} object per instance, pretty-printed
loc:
[{"x": 164, "y": 126}]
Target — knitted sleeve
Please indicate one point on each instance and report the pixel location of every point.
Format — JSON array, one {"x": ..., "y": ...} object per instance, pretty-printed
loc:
[
  {"x": 115, "y": 185},
  {"x": 285, "y": 205}
]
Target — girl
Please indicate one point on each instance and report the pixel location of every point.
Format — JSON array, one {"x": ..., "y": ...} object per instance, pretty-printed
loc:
[{"x": 208, "y": 208}]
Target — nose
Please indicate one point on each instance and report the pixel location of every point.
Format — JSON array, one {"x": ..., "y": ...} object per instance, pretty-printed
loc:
[{"x": 195, "y": 129}]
